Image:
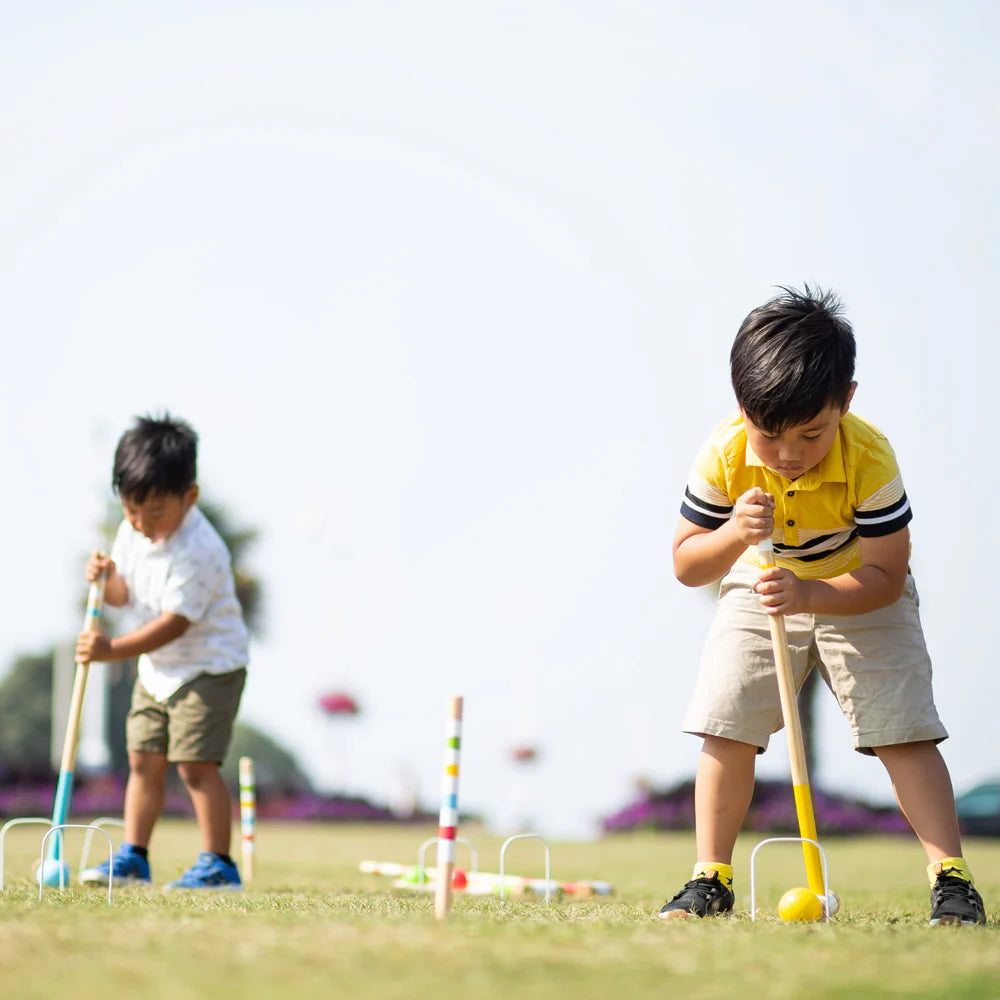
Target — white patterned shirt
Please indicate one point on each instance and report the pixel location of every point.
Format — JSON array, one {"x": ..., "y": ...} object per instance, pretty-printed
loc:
[{"x": 188, "y": 574}]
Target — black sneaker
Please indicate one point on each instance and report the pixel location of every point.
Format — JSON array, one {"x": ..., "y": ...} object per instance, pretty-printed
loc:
[
  {"x": 701, "y": 897},
  {"x": 955, "y": 901}
]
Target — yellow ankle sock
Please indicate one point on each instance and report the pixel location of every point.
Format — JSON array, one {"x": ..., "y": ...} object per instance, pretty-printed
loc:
[
  {"x": 704, "y": 869},
  {"x": 949, "y": 866}
]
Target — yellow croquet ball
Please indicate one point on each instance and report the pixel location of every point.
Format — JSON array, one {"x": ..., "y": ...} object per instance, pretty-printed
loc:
[{"x": 800, "y": 904}]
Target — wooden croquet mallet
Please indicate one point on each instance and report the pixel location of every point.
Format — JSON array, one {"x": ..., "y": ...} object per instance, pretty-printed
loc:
[
  {"x": 793, "y": 733},
  {"x": 64, "y": 787}
]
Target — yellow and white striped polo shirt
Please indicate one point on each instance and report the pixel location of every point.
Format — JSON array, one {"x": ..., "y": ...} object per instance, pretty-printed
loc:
[{"x": 855, "y": 491}]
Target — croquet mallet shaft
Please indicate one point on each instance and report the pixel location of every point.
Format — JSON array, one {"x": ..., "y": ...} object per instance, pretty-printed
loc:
[
  {"x": 793, "y": 733},
  {"x": 64, "y": 787}
]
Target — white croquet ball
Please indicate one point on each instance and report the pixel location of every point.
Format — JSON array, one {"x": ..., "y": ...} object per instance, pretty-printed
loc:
[
  {"x": 831, "y": 903},
  {"x": 52, "y": 872}
]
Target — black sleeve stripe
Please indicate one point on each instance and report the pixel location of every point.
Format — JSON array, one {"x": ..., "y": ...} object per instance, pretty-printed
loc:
[
  {"x": 704, "y": 505},
  {"x": 885, "y": 526},
  {"x": 882, "y": 512},
  {"x": 700, "y": 518}
]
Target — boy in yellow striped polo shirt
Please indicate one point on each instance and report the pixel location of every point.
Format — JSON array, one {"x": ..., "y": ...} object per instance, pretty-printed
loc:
[{"x": 794, "y": 465}]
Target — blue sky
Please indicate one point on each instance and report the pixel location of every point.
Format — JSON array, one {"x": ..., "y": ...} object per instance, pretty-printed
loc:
[{"x": 448, "y": 291}]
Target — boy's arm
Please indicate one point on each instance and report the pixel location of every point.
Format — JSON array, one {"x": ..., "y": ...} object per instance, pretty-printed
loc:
[
  {"x": 704, "y": 555},
  {"x": 115, "y": 590},
  {"x": 91, "y": 646},
  {"x": 878, "y": 583}
]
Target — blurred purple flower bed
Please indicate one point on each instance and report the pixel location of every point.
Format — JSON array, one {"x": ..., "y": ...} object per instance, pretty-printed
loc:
[
  {"x": 772, "y": 810},
  {"x": 104, "y": 796}
]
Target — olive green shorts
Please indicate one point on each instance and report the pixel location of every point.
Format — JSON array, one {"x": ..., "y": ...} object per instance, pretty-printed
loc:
[
  {"x": 876, "y": 664},
  {"x": 194, "y": 724}
]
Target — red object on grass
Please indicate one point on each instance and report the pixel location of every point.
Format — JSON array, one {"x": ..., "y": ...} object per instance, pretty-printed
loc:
[{"x": 338, "y": 703}]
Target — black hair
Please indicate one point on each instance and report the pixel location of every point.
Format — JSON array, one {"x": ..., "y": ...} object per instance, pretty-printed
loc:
[
  {"x": 155, "y": 455},
  {"x": 792, "y": 357}
]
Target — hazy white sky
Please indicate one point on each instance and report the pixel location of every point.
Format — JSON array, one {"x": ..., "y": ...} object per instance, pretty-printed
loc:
[{"x": 448, "y": 291}]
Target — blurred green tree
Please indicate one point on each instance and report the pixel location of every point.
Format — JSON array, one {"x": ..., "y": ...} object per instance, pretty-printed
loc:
[{"x": 26, "y": 716}]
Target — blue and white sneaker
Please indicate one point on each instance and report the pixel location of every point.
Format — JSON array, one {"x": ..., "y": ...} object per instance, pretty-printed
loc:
[
  {"x": 209, "y": 872},
  {"x": 126, "y": 868}
]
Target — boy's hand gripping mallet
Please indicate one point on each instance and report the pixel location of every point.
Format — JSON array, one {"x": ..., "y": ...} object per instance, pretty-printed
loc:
[
  {"x": 793, "y": 732},
  {"x": 64, "y": 788}
]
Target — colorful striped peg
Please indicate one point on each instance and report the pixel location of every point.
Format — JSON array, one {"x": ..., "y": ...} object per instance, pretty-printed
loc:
[
  {"x": 248, "y": 815},
  {"x": 448, "y": 822}
]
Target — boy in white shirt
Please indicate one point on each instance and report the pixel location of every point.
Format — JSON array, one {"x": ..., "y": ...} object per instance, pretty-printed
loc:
[{"x": 172, "y": 571}]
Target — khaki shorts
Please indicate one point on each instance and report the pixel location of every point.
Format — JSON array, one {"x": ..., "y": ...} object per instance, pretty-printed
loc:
[
  {"x": 876, "y": 664},
  {"x": 194, "y": 724}
]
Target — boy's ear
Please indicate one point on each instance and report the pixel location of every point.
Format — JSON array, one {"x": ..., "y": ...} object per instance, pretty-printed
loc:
[
  {"x": 850, "y": 396},
  {"x": 191, "y": 495}
]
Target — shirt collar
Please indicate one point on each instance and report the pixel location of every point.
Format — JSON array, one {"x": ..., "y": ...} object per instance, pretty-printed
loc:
[{"x": 163, "y": 547}]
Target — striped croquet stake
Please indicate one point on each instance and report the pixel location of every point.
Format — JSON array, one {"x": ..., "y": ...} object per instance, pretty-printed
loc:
[
  {"x": 248, "y": 814},
  {"x": 448, "y": 823}
]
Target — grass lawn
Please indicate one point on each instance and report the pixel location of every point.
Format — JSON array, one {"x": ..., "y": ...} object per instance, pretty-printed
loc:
[{"x": 313, "y": 925}]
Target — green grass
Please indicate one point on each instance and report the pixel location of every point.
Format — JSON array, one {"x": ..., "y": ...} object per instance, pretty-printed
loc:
[{"x": 313, "y": 925}]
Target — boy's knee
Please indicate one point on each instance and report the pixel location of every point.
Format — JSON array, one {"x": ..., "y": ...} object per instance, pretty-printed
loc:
[
  {"x": 918, "y": 747},
  {"x": 723, "y": 747},
  {"x": 147, "y": 765},
  {"x": 197, "y": 773}
]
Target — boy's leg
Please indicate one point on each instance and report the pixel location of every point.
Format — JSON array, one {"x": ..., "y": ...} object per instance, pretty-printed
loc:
[
  {"x": 923, "y": 790},
  {"x": 202, "y": 715},
  {"x": 212, "y": 803},
  {"x": 146, "y": 727},
  {"x": 723, "y": 790},
  {"x": 144, "y": 795},
  {"x": 722, "y": 793},
  {"x": 214, "y": 869}
]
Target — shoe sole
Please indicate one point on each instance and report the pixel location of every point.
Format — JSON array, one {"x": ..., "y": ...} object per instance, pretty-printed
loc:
[
  {"x": 118, "y": 883},
  {"x": 689, "y": 915},
  {"x": 950, "y": 920}
]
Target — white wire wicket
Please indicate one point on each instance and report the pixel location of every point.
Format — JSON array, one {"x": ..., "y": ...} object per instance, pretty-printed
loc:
[
  {"x": 57, "y": 830},
  {"x": 95, "y": 827},
  {"x": 548, "y": 865},
  {"x": 825, "y": 901},
  {"x": 448, "y": 821},
  {"x": 248, "y": 815}
]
